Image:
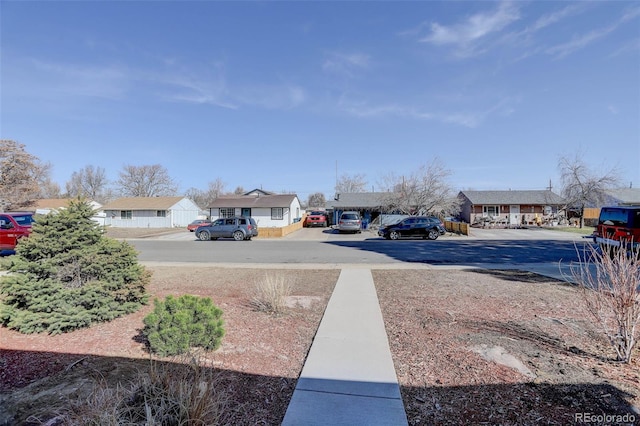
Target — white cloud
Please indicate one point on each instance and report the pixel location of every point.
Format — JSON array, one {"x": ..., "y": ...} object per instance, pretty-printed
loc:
[
  {"x": 345, "y": 63},
  {"x": 584, "y": 40},
  {"x": 283, "y": 96},
  {"x": 469, "y": 118},
  {"x": 579, "y": 42},
  {"x": 466, "y": 34},
  {"x": 52, "y": 79},
  {"x": 555, "y": 17}
]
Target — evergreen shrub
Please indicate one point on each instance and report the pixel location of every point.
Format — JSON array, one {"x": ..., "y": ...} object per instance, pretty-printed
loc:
[
  {"x": 176, "y": 325},
  {"x": 67, "y": 275}
]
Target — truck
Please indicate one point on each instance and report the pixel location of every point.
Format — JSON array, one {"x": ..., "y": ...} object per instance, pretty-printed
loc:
[
  {"x": 13, "y": 226},
  {"x": 618, "y": 226}
]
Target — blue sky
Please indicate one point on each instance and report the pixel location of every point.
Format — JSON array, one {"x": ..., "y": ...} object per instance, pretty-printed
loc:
[{"x": 280, "y": 95}]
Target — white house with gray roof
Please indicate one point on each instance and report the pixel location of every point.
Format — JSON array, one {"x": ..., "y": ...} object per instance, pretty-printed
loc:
[
  {"x": 271, "y": 210},
  {"x": 512, "y": 208},
  {"x": 150, "y": 212}
]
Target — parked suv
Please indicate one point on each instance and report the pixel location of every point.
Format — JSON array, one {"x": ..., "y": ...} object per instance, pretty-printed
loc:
[
  {"x": 13, "y": 226},
  {"x": 618, "y": 226},
  {"x": 414, "y": 226},
  {"x": 350, "y": 222},
  {"x": 239, "y": 228},
  {"x": 316, "y": 218}
]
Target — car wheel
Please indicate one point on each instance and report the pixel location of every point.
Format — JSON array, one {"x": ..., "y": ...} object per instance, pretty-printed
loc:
[
  {"x": 433, "y": 234},
  {"x": 394, "y": 235},
  {"x": 238, "y": 236},
  {"x": 204, "y": 236}
]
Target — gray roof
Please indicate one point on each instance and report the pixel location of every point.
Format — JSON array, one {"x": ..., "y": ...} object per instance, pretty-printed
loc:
[
  {"x": 143, "y": 203},
  {"x": 253, "y": 201},
  {"x": 534, "y": 197},
  {"x": 625, "y": 195},
  {"x": 358, "y": 200}
]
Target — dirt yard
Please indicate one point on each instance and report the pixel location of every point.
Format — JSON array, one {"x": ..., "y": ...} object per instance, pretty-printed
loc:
[{"x": 470, "y": 347}]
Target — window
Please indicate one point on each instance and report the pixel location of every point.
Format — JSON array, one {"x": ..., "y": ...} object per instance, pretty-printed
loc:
[
  {"x": 125, "y": 214},
  {"x": 490, "y": 210},
  {"x": 227, "y": 212},
  {"x": 161, "y": 213},
  {"x": 277, "y": 213}
]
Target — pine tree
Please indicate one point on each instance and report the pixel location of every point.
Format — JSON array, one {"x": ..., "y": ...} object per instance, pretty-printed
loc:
[{"x": 68, "y": 275}]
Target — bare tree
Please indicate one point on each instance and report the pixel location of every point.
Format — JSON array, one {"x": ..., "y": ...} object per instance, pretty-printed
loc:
[
  {"x": 609, "y": 285},
  {"x": 21, "y": 176},
  {"x": 351, "y": 183},
  {"x": 316, "y": 200},
  {"x": 90, "y": 182},
  {"x": 50, "y": 189},
  {"x": 146, "y": 181},
  {"x": 205, "y": 198},
  {"x": 581, "y": 186},
  {"x": 239, "y": 190},
  {"x": 425, "y": 191}
]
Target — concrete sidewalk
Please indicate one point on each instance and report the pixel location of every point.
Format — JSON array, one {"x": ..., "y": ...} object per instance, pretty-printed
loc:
[{"x": 349, "y": 377}]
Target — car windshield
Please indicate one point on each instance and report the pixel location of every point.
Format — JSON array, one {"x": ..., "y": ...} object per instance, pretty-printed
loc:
[
  {"x": 23, "y": 219},
  {"x": 316, "y": 213},
  {"x": 350, "y": 216}
]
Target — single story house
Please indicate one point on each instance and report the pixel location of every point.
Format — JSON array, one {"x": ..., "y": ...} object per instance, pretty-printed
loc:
[
  {"x": 47, "y": 205},
  {"x": 274, "y": 210},
  {"x": 509, "y": 207},
  {"x": 150, "y": 212},
  {"x": 370, "y": 205},
  {"x": 623, "y": 197}
]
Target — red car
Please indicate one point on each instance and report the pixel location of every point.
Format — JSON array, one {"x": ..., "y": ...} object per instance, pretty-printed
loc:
[
  {"x": 197, "y": 223},
  {"x": 13, "y": 226},
  {"x": 316, "y": 218}
]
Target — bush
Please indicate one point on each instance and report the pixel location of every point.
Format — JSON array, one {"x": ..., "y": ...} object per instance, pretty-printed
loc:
[
  {"x": 176, "y": 325},
  {"x": 610, "y": 284},
  {"x": 68, "y": 275}
]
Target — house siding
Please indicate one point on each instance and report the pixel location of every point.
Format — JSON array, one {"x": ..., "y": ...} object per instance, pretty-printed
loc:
[
  {"x": 139, "y": 219},
  {"x": 529, "y": 212},
  {"x": 180, "y": 214},
  {"x": 262, "y": 215}
]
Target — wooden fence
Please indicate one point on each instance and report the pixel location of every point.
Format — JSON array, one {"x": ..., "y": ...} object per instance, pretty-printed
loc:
[
  {"x": 279, "y": 232},
  {"x": 457, "y": 227}
]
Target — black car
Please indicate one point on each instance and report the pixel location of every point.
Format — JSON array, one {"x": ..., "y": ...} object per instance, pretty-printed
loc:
[{"x": 415, "y": 226}]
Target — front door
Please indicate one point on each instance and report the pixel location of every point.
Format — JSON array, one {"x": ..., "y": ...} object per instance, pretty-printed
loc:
[
  {"x": 246, "y": 212},
  {"x": 514, "y": 215}
]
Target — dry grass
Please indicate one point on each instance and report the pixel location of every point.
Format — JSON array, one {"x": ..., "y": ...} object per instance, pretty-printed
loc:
[
  {"x": 186, "y": 392},
  {"x": 272, "y": 293},
  {"x": 611, "y": 295}
]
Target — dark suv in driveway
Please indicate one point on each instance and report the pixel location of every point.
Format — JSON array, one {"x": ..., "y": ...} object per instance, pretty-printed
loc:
[
  {"x": 414, "y": 226},
  {"x": 238, "y": 228}
]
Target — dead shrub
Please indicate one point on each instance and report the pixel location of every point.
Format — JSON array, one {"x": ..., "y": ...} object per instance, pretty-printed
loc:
[
  {"x": 272, "y": 293},
  {"x": 610, "y": 284},
  {"x": 186, "y": 392}
]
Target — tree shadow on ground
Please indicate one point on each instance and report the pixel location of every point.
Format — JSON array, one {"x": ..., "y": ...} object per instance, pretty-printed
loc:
[
  {"x": 468, "y": 252},
  {"x": 522, "y": 404},
  {"x": 255, "y": 399},
  {"x": 518, "y": 275}
]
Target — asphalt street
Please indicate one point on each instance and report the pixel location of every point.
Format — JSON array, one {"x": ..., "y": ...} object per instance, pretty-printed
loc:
[{"x": 539, "y": 250}]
